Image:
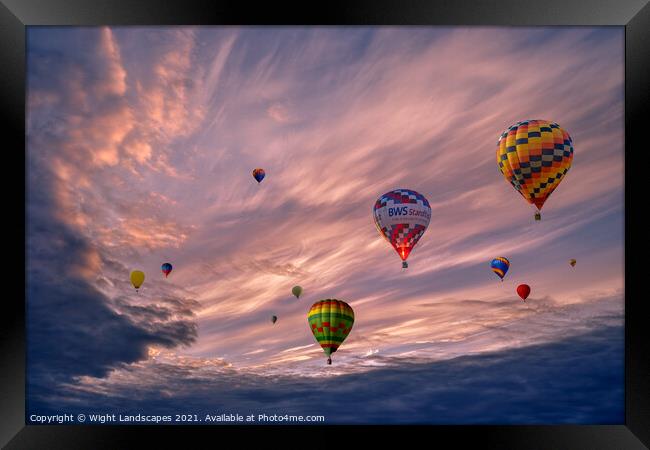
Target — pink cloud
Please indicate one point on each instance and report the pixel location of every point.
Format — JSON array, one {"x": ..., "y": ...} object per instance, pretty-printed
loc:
[{"x": 162, "y": 166}]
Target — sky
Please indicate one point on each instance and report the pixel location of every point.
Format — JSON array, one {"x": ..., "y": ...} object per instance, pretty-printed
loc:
[{"x": 140, "y": 146}]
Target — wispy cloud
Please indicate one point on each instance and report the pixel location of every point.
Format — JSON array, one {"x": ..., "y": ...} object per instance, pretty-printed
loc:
[{"x": 141, "y": 143}]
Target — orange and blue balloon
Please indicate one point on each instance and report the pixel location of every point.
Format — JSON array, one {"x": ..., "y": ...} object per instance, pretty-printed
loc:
[
  {"x": 166, "y": 269},
  {"x": 500, "y": 266},
  {"x": 259, "y": 174}
]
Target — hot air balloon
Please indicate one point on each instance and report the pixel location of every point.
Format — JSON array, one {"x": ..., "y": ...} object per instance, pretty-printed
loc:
[
  {"x": 401, "y": 217},
  {"x": 166, "y": 268},
  {"x": 259, "y": 175},
  {"x": 137, "y": 278},
  {"x": 523, "y": 290},
  {"x": 297, "y": 291},
  {"x": 572, "y": 262},
  {"x": 534, "y": 156},
  {"x": 274, "y": 319},
  {"x": 500, "y": 266},
  {"x": 330, "y": 321}
]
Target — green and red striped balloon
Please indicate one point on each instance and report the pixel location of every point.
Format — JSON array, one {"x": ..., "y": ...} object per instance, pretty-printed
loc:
[{"x": 330, "y": 321}]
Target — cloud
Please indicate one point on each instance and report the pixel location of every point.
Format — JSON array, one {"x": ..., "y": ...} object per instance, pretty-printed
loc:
[
  {"x": 96, "y": 125},
  {"x": 141, "y": 144},
  {"x": 278, "y": 112},
  {"x": 576, "y": 380},
  {"x": 75, "y": 328}
]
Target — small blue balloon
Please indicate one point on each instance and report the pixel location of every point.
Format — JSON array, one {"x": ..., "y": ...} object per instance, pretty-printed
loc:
[
  {"x": 500, "y": 266},
  {"x": 166, "y": 268}
]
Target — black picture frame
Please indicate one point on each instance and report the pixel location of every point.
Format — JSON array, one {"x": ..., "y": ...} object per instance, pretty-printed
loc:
[{"x": 634, "y": 15}]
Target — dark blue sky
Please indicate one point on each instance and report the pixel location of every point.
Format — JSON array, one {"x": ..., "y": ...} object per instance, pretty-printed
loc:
[{"x": 576, "y": 380}]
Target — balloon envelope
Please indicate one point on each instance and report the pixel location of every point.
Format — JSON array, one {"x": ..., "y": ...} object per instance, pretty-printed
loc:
[
  {"x": 534, "y": 156},
  {"x": 137, "y": 278},
  {"x": 330, "y": 321},
  {"x": 297, "y": 291},
  {"x": 500, "y": 266},
  {"x": 401, "y": 217},
  {"x": 572, "y": 262},
  {"x": 166, "y": 269},
  {"x": 259, "y": 174},
  {"x": 274, "y": 319},
  {"x": 524, "y": 291}
]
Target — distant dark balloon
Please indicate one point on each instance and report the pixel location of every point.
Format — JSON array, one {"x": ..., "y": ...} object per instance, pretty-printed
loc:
[
  {"x": 274, "y": 319},
  {"x": 166, "y": 268},
  {"x": 524, "y": 291},
  {"x": 259, "y": 175},
  {"x": 572, "y": 262}
]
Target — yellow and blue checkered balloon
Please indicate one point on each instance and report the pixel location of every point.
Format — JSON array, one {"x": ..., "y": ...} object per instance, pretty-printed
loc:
[{"x": 534, "y": 156}]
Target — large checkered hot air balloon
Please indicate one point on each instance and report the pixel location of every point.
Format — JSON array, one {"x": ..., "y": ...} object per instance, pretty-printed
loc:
[
  {"x": 402, "y": 216},
  {"x": 534, "y": 156},
  {"x": 330, "y": 321}
]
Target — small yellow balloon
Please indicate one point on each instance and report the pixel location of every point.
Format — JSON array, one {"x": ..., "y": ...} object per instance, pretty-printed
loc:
[{"x": 137, "y": 278}]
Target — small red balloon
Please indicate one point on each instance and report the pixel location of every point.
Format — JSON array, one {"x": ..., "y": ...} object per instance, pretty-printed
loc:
[{"x": 523, "y": 290}]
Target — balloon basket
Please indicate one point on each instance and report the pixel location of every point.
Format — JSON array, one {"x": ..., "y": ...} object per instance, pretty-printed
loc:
[
  {"x": 538, "y": 216},
  {"x": 329, "y": 361},
  {"x": 405, "y": 265}
]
